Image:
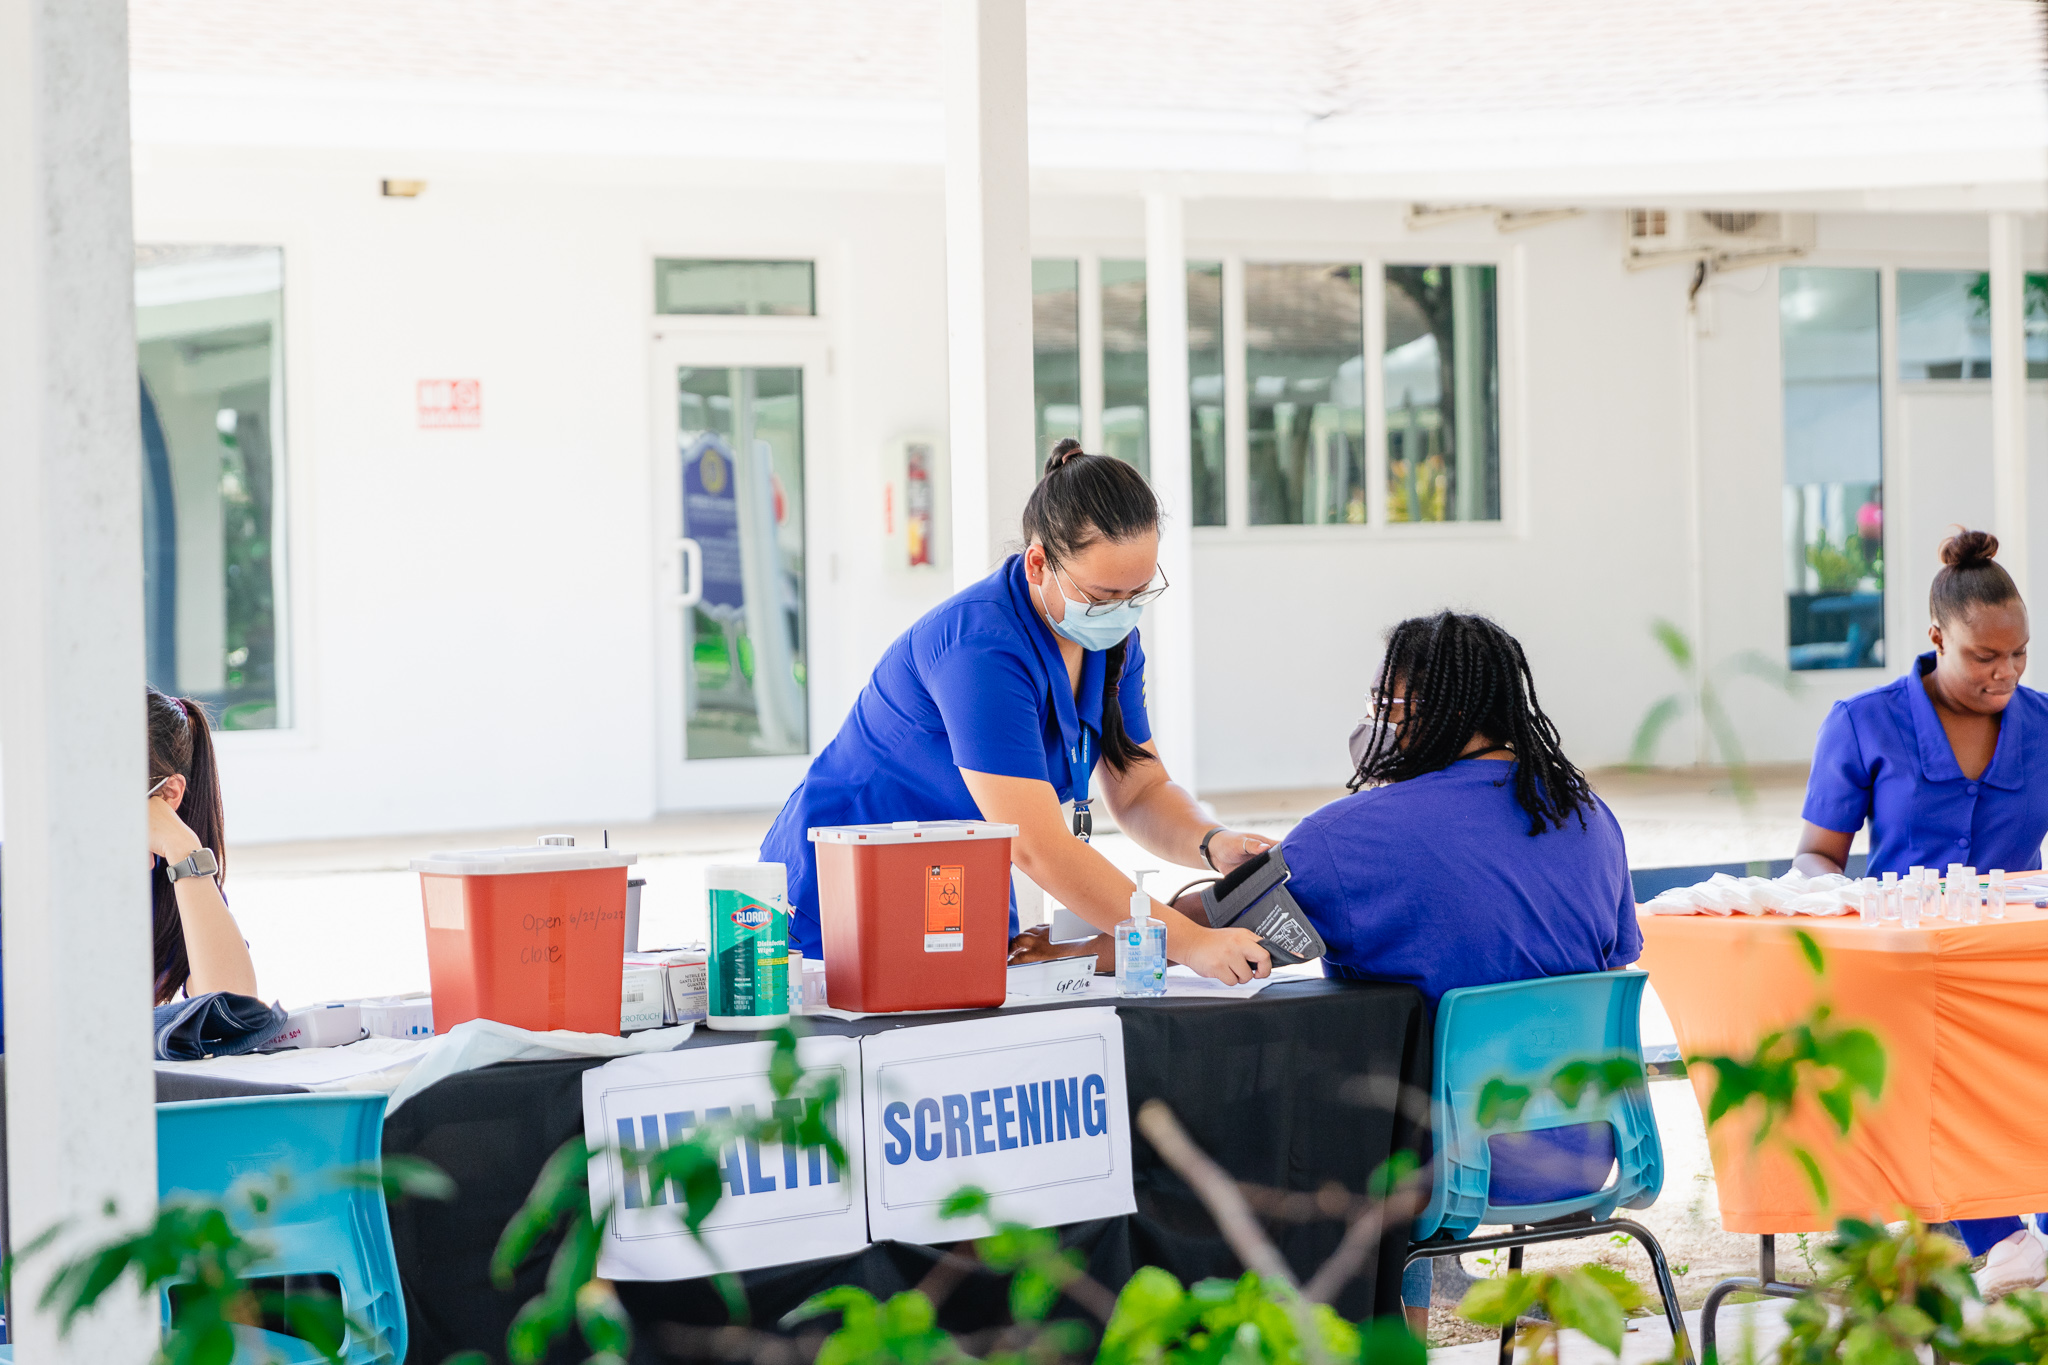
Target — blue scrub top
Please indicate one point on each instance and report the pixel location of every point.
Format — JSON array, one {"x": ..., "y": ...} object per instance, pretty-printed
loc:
[
  {"x": 1882, "y": 756},
  {"x": 978, "y": 683},
  {"x": 1436, "y": 881}
]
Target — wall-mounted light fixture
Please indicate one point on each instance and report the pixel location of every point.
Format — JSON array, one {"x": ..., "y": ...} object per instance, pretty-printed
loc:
[{"x": 404, "y": 189}]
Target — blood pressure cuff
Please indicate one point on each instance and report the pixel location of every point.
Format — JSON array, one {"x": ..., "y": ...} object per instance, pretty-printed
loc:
[{"x": 1255, "y": 897}]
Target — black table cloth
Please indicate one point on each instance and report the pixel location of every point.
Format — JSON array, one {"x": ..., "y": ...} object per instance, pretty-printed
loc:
[{"x": 1260, "y": 1084}]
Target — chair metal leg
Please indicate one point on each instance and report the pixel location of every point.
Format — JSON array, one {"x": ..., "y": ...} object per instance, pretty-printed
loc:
[
  {"x": 1507, "y": 1331},
  {"x": 1571, "y": 1230},
  {"x": 1765, "y": 1282}
]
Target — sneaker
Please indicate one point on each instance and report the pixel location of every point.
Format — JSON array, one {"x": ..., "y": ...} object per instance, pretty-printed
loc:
[{"x": 2018, "y": 1262}]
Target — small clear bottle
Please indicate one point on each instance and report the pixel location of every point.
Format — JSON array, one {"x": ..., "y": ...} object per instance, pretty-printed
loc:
[
  {"x": 1141, "y": 945},
  {"x": 1951, "y": 897},
  {"x": 1890, "y": 890},
  {"x": 1909, "y": 903},
  {"x": 1994, "y": 895},
  {"x": 1873, "y": 902},
  {"x": 1971, "y": 896}
]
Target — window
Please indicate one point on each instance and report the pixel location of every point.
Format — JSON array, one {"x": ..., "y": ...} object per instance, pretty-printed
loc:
[
  {"x": 1205, "y": 390},
  {"x": 1945, "y": 325},
  {"x": 208, "y": 320},
  {"x": 783, "y": 289},
  {"x": 1055, "y": 353},
  {"x": 1304, "y": 393},
  {"x": 1126, "y": 382},
  {"x": 1834, "y": 459},
  {"x": 1441, "y": 378}
]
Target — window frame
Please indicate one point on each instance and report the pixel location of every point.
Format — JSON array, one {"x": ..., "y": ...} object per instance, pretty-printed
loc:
[
  {"x": 297, "y": 469},
  {"x": 1508, "y": 260}
]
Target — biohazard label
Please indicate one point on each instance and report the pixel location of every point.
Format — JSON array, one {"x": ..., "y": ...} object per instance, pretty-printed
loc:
[{"x": 945, "y": 889}]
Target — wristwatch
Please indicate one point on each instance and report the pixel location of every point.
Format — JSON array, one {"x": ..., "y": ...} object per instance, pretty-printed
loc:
[{"x": 202, "y": 863}]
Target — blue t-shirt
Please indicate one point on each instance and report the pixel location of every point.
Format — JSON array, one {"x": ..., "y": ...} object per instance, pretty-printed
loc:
[
  {"x": 1436, "y": 881},
  {"x": 1882, "y": 756},
  {"x": 979, "y": 684}
]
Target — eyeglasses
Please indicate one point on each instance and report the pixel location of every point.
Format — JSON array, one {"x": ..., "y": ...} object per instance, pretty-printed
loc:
[
  {"x": 1374, "y": 707},
  {"x": 159, "y": 783},
  {"x": 1143, "y": 597}
]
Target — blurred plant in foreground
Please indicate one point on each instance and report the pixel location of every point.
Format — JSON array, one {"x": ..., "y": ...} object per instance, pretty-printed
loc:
[{"x": 1701, "y": 697}]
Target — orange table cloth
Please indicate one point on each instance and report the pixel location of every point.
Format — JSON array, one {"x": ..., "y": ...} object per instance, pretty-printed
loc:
[{"x": 1962, "y": 1128}]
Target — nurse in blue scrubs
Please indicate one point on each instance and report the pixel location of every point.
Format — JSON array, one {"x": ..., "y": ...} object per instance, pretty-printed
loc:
[
  {"x": 1949, "y": 764},
  {"x": 1017, "y": 695}
]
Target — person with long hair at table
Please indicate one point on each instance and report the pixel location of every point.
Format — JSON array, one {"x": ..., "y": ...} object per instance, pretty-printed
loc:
[{"x": 1947, "y": 763}]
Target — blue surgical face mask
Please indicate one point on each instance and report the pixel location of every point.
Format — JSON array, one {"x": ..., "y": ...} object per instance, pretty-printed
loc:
[{"x": 1099, "y": 632}]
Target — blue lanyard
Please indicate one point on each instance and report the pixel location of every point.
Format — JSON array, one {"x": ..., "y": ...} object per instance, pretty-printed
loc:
[{"x": 1080, "y": 767}]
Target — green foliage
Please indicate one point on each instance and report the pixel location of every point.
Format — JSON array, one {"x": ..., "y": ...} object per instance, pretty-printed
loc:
[
  {"x": 903, "y": 1331},
  {"x": 199, "y": 1247},
  {"x": 572, "y": 1297},
  {"x": 1701, "y": 695},
  {"x": 1815, "y": 1055},
  {"x": 1245, "y": 1321},
  {"x": 1880, "y": 1298},
  {"x": 1590, "y": 1299},
  {"x": 1502, "y": 1100},
  {"x": 1842, "y": 566}
]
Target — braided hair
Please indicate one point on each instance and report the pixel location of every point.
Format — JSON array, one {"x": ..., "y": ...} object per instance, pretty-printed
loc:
[
  {"x": 1080, "y": 499},
  {"x": 1460, "y": 676}
]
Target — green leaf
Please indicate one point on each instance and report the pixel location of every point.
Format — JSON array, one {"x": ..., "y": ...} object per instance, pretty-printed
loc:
[
  {"x": 1390, "y": 1174},
  {"x": 561, "y": 1188},
  {"x": 964, "y": 1202},
  {"x": 1498, "y": 1302},
  {"x": 1386, "y": 1340},
  {"x": 1813, "y": 1175},
  {"x": 1675, "y": 643},
  {"x": 1570, "y": 1082},
  {"x": 1836, "y": 1100},
  {"x": 1577, "y": 1300},
  {"x": 1643, "y": 748},
  {"x": 1861, "y": 1057},
  {"x": 602, "y": 1319},
  {"x": 1501, "y": 1102},
  {"x": 1814, "y": 957}
]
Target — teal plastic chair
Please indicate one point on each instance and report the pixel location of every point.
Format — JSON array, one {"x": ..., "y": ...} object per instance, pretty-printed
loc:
[
  {"x": 1521, "y": 1032},
  {"x": 322, "y": 1227}
]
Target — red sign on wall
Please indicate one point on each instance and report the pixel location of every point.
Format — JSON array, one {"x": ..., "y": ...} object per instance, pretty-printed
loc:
[{"x": 451, "y": 402}]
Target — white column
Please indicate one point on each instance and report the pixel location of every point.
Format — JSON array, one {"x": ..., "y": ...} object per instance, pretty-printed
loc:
[
  {"x": 1170, "y": 639},
  {"x": 81, "y": 1125},
  {"x": 2009, "y": 397},
  {"x": 988, "y": 278}
]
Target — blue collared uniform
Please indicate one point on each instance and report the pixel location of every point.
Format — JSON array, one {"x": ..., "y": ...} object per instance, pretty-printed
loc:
[
  {"x": 978, "y": 683},
  {"x": 1882, "y": 756}
]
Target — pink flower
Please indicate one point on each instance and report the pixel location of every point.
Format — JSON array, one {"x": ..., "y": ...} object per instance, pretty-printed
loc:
[{"x": 1870, "y": 521}]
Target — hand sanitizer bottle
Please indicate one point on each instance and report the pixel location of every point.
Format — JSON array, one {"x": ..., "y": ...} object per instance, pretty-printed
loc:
[{"x": 1141, "y": 946}]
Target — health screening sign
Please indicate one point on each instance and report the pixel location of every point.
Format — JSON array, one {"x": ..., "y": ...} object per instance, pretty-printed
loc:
[
  {"x": 1031, "y": 1108},
  {"x": 781, "y": 1204}
]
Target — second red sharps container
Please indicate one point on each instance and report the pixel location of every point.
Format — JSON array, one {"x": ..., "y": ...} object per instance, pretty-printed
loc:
[{"x": 915, "y": 914}]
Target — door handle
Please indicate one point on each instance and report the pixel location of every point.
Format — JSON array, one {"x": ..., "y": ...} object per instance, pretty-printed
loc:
[{"x": 693, "y": 573}]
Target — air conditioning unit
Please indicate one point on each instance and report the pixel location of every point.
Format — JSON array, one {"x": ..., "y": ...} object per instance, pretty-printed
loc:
[{"x": 1725, "y": 239}]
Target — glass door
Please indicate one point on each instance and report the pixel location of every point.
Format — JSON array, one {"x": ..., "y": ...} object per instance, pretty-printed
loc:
[{"x": 734, "y": 423}]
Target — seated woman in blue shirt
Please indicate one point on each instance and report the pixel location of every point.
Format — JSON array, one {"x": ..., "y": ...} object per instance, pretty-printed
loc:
[
  {"x": 1471, "y": 852},
  {"x": 1948, "y": 764}
]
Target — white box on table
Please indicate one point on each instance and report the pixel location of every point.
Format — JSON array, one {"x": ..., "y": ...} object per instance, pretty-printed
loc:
[
  {"x": 686, "y": 982},
  {"x": 643, "y": 995},
  {"x": 335, "y": 1024},
  {"x": 399, "y": 1016}
]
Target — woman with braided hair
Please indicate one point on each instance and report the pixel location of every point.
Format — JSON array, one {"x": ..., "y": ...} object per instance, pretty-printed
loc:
[
  {"x": 997, "y": 705},
  {"x": 1470, "y": 852}
]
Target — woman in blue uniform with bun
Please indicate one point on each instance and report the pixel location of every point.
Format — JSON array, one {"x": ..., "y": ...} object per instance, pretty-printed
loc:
[
  {"x": 1948, "y": 764},
  {"x": 998, "y": 704}
]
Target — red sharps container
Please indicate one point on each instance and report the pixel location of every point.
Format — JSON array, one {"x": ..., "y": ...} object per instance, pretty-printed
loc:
[{"x": 915, "y": 914}]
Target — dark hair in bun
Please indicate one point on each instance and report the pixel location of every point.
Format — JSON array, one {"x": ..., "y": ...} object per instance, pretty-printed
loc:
[
  {"x": 1080, "y": 499},
  {"x": 1970, "y": 576}
]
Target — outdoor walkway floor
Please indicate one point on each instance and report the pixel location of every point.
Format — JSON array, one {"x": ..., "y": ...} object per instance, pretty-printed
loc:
[{"x": 1748, "y": 1332}]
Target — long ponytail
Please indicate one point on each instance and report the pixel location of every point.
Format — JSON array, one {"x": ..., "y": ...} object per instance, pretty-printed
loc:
[
  {"x": 1079, "y": 500},
  {"x": 181, "y": 745}
]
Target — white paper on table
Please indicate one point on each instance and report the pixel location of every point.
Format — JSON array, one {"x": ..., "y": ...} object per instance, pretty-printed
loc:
[
  {"x": 478, "y": 1043},
  {"x": 370, "y": 1064}
]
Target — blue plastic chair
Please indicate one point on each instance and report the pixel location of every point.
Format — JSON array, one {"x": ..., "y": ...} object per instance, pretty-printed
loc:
[
  {"x": 1521, "y": 1032},
  {"x": 321, "y": 1227}
]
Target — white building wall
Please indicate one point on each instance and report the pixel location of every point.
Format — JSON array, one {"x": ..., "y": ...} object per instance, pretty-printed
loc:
[{"x": 472, "y": 610}]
